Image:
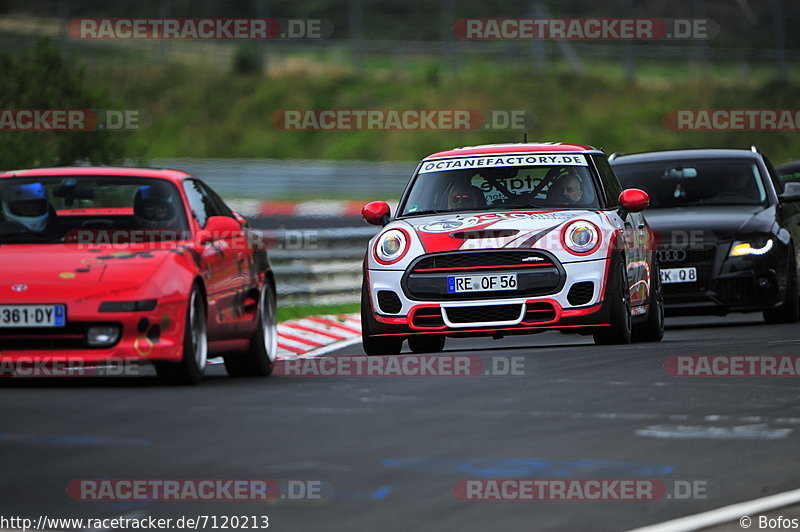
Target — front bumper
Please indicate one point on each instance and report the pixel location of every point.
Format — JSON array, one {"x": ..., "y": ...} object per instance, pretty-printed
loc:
[
  {"x": 728, "y": 284},
  {"x": 490, "y": 316},
  {"x": 155, "y": 335}
]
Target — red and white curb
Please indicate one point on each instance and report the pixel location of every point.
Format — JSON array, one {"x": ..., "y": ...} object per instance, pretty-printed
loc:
[{"x": 317, "y": 335}]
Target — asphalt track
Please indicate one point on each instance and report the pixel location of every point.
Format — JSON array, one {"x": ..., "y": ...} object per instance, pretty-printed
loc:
[{"x": 389, "y": 450}]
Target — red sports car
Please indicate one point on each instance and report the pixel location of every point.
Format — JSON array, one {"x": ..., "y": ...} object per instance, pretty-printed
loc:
[{"x": 125, "y": 264}]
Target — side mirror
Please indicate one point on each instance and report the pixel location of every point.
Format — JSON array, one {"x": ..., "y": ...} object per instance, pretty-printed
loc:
[
  {"x": 376, "y": 213},
  {"x": 791, "y": 193},
  {"x": 634, "y": 200},
  {"x": 219, "y": 228}
]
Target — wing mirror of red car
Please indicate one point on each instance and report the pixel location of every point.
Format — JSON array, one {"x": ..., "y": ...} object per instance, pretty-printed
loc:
[
  {"x": 376, "y": 213},
  {"x": 634, "y": 200},
  {"x": 219, "y": 228}
]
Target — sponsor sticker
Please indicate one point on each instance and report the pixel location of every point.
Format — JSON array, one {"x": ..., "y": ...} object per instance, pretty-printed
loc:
[{"x": 493, "y": 161}]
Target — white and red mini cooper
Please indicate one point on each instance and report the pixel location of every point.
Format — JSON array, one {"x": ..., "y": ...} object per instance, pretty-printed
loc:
[{"x": 510, "y": 239}]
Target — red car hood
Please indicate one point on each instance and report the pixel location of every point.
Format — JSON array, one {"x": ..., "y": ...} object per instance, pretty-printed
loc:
[{"x": 41, "y": 272}]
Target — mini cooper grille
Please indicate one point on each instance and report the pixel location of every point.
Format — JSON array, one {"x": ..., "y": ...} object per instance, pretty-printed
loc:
[
  {"x": 389, "y": 302},
  {"x": 478, "y": 259},
  {"x": 537, "y": 274},
  {"x": 483, "y": 313},
  {"x": 580, "y": 293}
]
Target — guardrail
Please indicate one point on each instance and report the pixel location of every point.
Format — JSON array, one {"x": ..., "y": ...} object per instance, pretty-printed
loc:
[{"x": 318, "y": 266}]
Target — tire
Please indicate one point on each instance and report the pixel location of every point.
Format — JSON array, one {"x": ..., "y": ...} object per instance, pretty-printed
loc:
[
  {"x": 375, "y": 345},
  {"x": 426, "y": 343},
  {"x": 258, "y": 360},
  {"x": 195, "y": 345},
  {"x": 652, "y": 330},
  {"x": 618, "y": 299},
  {"x": 789, "y": 311}
]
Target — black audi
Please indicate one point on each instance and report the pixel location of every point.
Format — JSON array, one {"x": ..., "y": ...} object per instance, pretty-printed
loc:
[{"x": 727, "y": 229}]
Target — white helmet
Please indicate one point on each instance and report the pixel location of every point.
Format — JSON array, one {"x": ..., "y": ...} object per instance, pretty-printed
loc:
[{"x": 27, "y": 205}]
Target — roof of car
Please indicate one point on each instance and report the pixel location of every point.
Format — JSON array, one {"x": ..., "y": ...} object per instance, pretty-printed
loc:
[
  {"x": 173, "y": 175},
  {"x": 678, "y": 155},
  {"x": 498, "y": 149}
]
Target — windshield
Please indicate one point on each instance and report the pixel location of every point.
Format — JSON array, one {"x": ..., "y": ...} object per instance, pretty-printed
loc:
[
  {"x": 695, "y": 182},
  {"x": 89, "y": 209},
  {"x": 565, "y": 183}
]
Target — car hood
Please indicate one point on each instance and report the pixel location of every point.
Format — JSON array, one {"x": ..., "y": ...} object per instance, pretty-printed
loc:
[
  {"x": 482, "y": 230},
  {"x": 69, "y": 272},
  {"x": 709, "y": 223}
]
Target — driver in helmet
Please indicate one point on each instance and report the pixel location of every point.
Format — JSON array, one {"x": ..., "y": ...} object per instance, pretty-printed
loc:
[
  {"x": 28, "y": 206},
  {"x": 154, "y": 207}
]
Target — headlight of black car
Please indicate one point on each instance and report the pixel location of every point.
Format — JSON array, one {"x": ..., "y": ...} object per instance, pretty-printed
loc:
[{"x": 757, "y": 245}]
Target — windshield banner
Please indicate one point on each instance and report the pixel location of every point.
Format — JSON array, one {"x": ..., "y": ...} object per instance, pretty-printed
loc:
[{"x": 493, "y": 161}]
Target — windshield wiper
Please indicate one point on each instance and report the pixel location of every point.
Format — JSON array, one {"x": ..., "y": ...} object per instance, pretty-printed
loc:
[{"x": 428, "y": 211}]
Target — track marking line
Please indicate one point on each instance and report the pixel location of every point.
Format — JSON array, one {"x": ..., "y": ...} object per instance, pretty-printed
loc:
[{"x": 726, "y": 514}]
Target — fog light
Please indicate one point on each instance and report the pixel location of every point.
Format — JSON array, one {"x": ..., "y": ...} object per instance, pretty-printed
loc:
[
  {"x": 102, "y": 335},
  {"x": 764, "y": 282}
]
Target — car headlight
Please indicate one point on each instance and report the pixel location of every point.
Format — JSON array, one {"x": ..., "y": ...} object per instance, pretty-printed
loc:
[
  {"x": 581, "y": 237},
  {"x": 751, "y": 247},
  {"x": 391, "y": 246}
]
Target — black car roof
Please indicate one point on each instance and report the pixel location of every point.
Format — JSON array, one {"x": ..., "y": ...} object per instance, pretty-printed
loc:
[{"x": 679, "y": 155}]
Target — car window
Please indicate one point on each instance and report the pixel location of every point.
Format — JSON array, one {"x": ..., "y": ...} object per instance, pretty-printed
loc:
[
  {"x": 221, "y": 208},
  {"x": 611, "y": 186},
  {"x": 52, "y": 209},
  {"x": 202, "y": 204},
  {"x": 696, "y": 182}
]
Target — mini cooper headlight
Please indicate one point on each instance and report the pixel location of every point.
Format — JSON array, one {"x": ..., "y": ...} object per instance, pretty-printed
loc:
[
  {"x": 581, "y": 237},
  {"x": 756, "y": 246},
  {"x": 391, "y": 246}
]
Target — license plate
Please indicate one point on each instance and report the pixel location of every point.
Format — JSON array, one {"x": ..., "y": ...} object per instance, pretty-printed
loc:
[
  {"x": 481, "y": 283},
  {"x": 33, "y": 315},
  {"x": 679, "y": 275}
]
